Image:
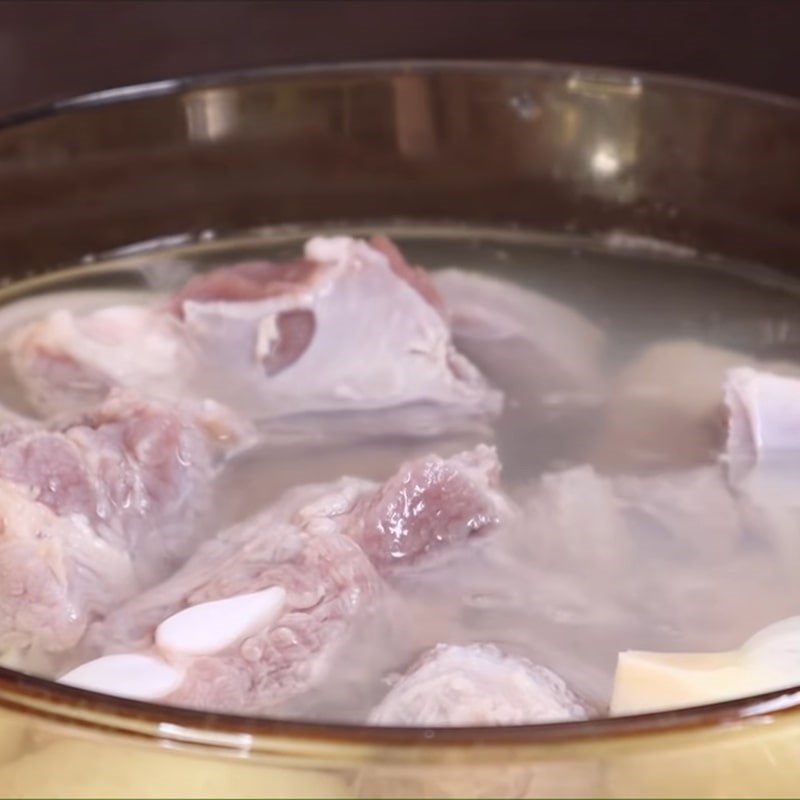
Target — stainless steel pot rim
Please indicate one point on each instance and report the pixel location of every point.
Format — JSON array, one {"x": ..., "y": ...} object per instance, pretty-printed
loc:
[{"x": 28, "y": 694}]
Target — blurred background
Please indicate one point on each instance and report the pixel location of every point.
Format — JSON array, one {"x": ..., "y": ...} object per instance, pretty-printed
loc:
[{"x": 50, "y": 50}]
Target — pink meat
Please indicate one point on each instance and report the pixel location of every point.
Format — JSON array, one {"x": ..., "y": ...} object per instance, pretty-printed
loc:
[
  {"x": 658, "y": 547},
  {"x": 120, "y": 466},
  {"x": 322, "y": 545},
  {"x": 351, "y": 327},
  {"x": 431, "y": 502},
  {"x": 252, "y": 280},
  {"x": 414, "y": 276},
  {"x": 258, "y": 280},
  {"x": 69, "y": 362},
  {"x": 474, "y": 685},
  {"x": 95, "y": 509},
  {"x": 55, "y": 572},
  {"x": 329, "y": 582},
  {"x": 537, "y": 350},
  {"x": 582, "y": 521}
]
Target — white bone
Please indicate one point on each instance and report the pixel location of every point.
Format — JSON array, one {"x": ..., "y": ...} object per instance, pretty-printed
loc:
[
  {"x": 212, "y": 627},
  {"x": 138, "y": 677},
  {"x": 764, "y": 412}
]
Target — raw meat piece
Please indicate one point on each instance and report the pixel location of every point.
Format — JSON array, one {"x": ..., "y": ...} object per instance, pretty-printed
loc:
[
  {"x": 534, "y": 348},
  {"x": 93, "y": 511},
  {"x": 687, "y": 512},
  {"x": 474, "y": 685},
  {"x": 125, "y": 466},
  {"x": 429, "y": 503},
  {"x": 246, "y": 282},
  {"x": 55, "y": 574},
  {"x": 350, "y": 328},
  {"x": 770, "y": 505},
  {"x": 573, "y": 518},
  {"x": 310, "y": 544},
  {"x": 415, "y": 276},
  {"x": 329, "y": 584},
  {"x": 350, "y": 335},
  {"x": 614, "y": 535},
  {"x": 577, "y": 517},
  {"x": 692, "y": 520},
  {"x": 68, "y": 362}
]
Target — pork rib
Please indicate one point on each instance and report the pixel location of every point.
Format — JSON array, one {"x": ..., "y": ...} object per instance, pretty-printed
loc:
[
  {"x": 476, "y": 685},
  {"x": 94, "y": 509},
  {"x": 526, "y": 343},
  {"x": 324, "y": 546},
  {"x": 349, "y": 328}
]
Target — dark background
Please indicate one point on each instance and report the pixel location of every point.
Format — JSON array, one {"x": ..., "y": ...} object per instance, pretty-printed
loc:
[{"x": 56, "y": 49}]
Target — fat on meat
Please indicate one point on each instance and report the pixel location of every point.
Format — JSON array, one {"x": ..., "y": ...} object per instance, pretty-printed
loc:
[
  {"x": 573, "y": 518},
  {"x": 617, "y": 533},
  {"x": 580, "y": 517},
  {"x": 476, "y": 685},
  {"x": 534, "y": 348},
  {"x": 328, "y": 547},
  {"x": 350, "y": 327},
  {"x": 95, "y": 508},
  {"x": 68, "y": 362},
  {"x": 56, "y": 573},
  {"x": 683, "y": 512}
]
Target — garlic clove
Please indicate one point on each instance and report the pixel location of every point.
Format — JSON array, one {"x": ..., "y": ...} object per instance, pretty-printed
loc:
[
  {"x": 135, "y": 676},
  {"x": 209, "y": 628}
]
